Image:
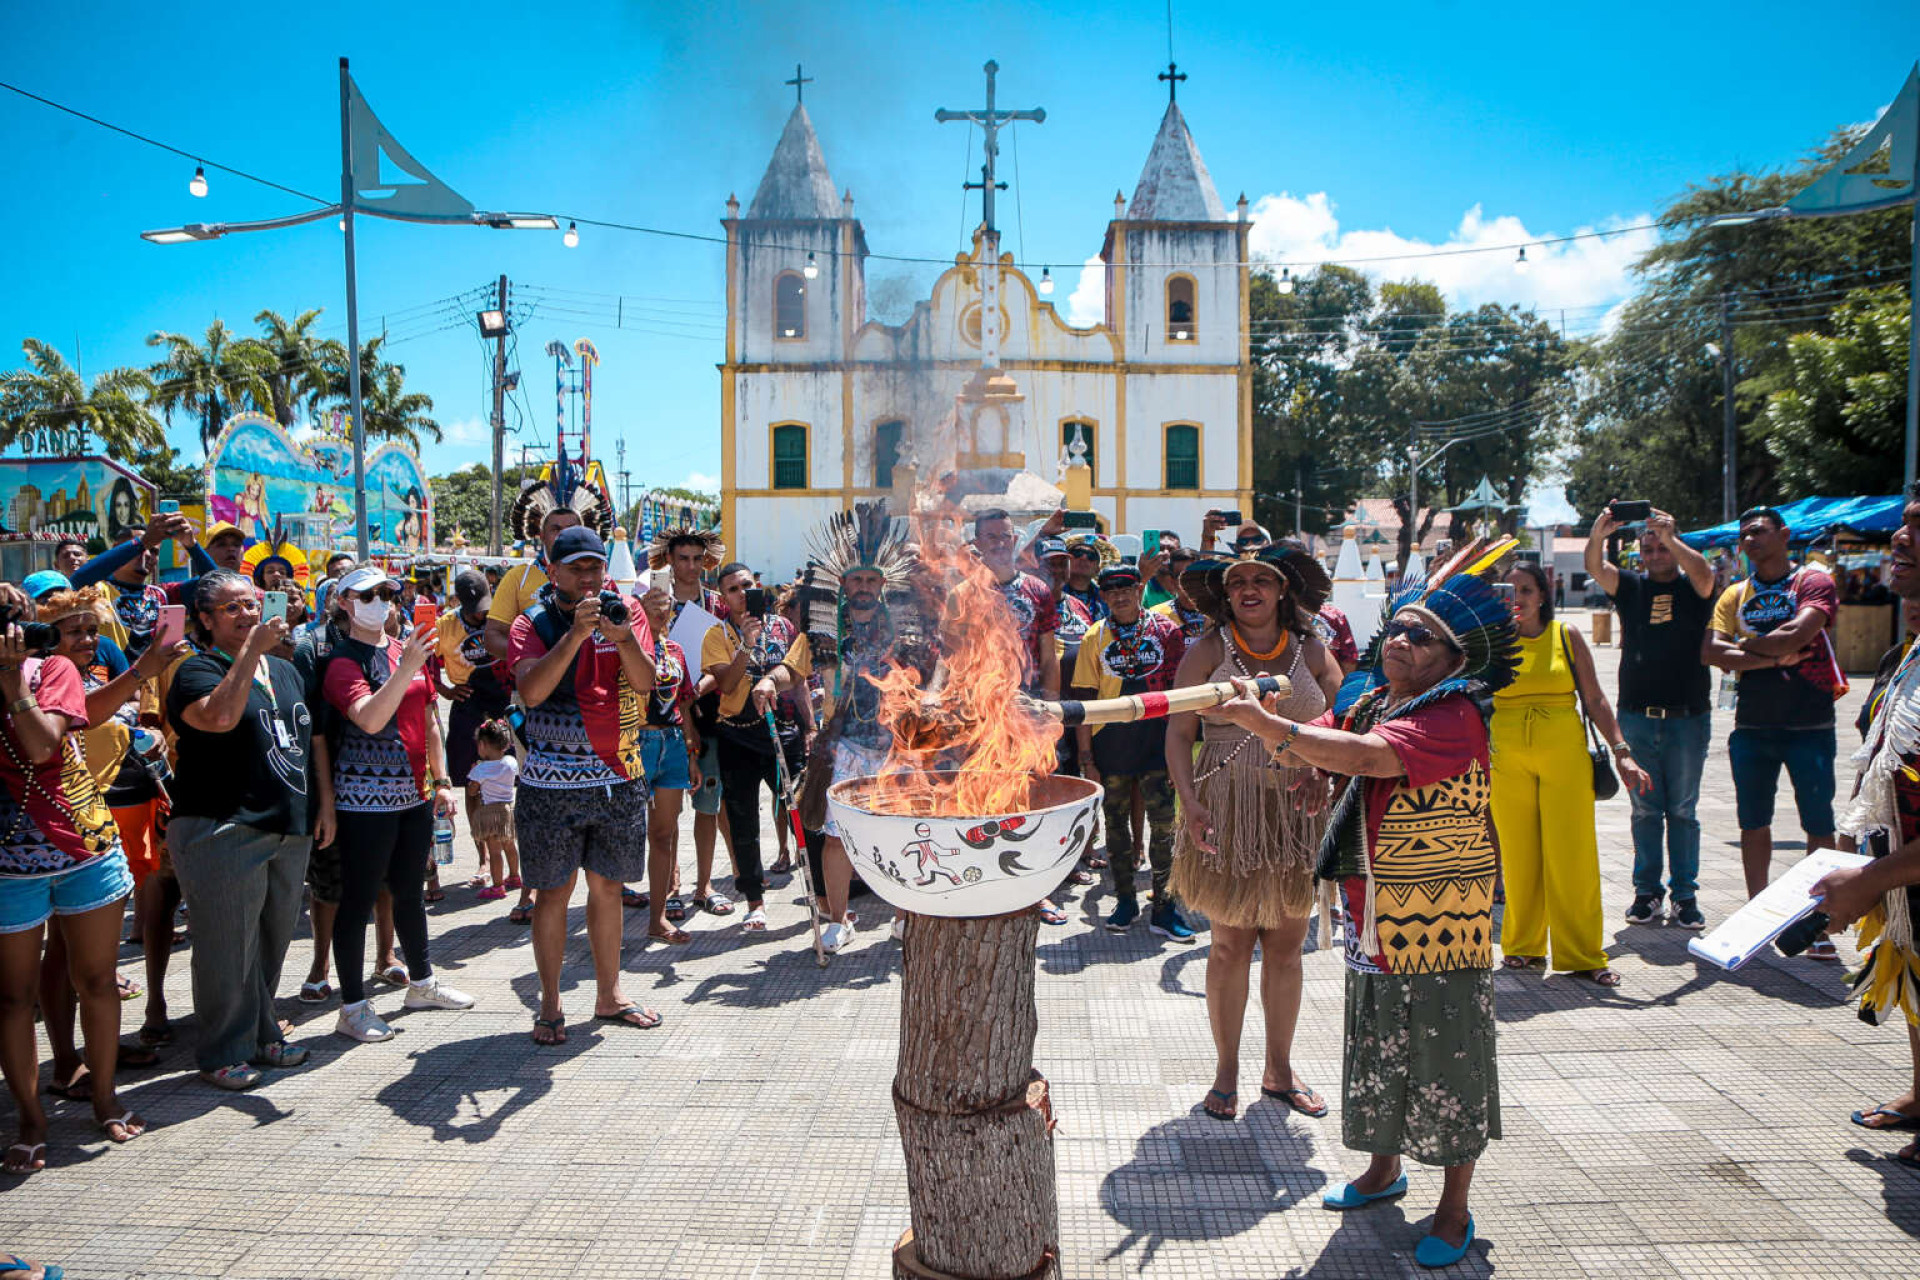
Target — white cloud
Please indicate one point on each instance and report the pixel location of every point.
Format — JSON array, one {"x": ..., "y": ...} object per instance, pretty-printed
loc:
[
  {"x": 701, "y": 482},
  {"x": 467, "y": 431},
  {"x": 1088, "y": 303},
  {"x": 1588, "y": 275}
]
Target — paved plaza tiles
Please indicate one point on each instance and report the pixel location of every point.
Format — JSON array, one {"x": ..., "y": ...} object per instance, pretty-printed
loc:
[{"x": 1690, "y": 1124}]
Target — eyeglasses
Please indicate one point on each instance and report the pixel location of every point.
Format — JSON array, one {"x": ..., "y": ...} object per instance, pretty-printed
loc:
[
  {"x": 239, "y": 608},
  {"x": 1417, "y": 634}
]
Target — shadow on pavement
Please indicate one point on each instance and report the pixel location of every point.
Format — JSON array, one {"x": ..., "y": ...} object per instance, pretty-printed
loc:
[
  {"x": 1901, "y": 1189},
  {"x": 426, "y": 1096}
]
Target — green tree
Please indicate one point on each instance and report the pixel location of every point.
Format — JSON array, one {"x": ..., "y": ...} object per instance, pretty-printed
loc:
[
  {"x": 392, "y": 412},
  {"x": 1647, "y": 422},
  {"x": 295, "y": 362},
  {"x": 50, "y": 394},
  {"x": 210, "y": 379},
  {"x": 463, "y": 500},
  {"x": 1838, "y": 422},
  {"x": 160, "y": 466}
]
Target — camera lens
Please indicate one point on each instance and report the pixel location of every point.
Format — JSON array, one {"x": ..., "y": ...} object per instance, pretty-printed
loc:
[{"x": 613, "y": 608}]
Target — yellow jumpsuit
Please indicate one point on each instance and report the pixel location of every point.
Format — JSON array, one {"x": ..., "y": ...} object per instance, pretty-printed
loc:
[{"x": 1543, "y": 811}]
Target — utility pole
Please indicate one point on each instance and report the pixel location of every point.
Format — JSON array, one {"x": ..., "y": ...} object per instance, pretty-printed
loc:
[
  {"x": 1299, "y": 483},
  {"x": 620, "y": 447},
  {"x": 1729, "y": 498},
  {"x": 499, "y": 420}
]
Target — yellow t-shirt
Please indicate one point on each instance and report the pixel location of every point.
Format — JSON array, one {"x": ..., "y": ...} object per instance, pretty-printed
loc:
[
  {"x": 515, "y": 594},
  {"x": 453, "y": 633},
  {"x": 723, "y": 641}
]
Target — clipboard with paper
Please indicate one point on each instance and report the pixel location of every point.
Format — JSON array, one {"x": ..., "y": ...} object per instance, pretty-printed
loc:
[
  {"x": 689, "y": 631},
  {"x": 1779, "y": 906}
]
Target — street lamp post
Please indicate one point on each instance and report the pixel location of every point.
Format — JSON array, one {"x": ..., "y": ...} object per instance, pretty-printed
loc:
[
  {"x": 1841, "y": 192},
  {"x": 363, "y": 142},
  {"x": 1415, "y": 462}
]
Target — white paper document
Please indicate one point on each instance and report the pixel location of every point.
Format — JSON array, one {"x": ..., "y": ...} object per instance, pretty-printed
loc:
[
  {"x": 1742, "y": 934},
  {"x": 689, "y": 631}
]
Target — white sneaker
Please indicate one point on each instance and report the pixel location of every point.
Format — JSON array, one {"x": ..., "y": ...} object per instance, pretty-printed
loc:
[
  {"x": 835, "y": 936},
  {"x": 434, "y": 994},
  {"x": 361, "y": 1023}
]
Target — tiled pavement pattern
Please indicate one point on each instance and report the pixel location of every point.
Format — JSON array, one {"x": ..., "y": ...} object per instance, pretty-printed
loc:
[{"x": 1691, "y": 1124}]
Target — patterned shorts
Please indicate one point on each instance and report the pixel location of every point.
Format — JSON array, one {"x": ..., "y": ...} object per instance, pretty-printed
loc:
[{"x": 603, "y": 829}]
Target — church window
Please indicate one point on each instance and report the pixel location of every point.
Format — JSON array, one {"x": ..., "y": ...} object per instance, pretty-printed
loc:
[
  {"x": 886, "y": 452},
  {"x": 790, "y": 456},
  {"x": 1086, "y": 432},
  {"x": 1180, "y": 316},
  {"x": 789, "y": 306},
  {"x": 1182, "y": 456}
]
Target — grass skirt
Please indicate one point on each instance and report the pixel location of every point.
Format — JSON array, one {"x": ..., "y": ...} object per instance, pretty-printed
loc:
[{"x": 1262, "y": 875}]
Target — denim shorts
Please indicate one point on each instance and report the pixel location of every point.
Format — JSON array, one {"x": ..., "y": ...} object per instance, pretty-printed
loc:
[
  {"x": 26, "y": 902},
  {"x": 706, "y": 797},
  {"x": 1756, "y": 755},
  {"x": 663, "y": 752}
]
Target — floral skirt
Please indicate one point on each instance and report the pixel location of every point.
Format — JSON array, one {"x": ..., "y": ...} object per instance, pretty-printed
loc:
[{"x": 1420, "y": 1076}]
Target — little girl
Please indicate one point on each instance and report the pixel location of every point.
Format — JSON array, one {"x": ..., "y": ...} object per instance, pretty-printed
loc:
[{"x": 491, "y": 781}]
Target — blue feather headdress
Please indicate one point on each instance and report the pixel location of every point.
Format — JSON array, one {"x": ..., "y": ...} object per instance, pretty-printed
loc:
[{"x": 1457, "y": 601}]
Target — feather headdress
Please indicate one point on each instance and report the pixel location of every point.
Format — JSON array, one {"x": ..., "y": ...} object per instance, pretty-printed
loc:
[
  {"x": 563, "y": 485},
  {"x": 1456, "y": 600},
  {"x": 660, "y": 550},
  {"x": 863, "y": 538}
]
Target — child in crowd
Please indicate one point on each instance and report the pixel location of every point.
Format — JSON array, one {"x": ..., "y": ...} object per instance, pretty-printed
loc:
[{"x": 492, "y": 780}]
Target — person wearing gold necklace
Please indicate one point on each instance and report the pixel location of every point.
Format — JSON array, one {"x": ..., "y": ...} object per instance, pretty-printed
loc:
[
  {"x": 1250, "y": 830},
  {"x": 1543, "y": 791}
]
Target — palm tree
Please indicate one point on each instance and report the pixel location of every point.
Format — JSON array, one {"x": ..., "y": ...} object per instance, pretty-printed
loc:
[
  {"x": 211, "y": 379},
  {"x": 50, "y": 393},
  {"x": 392, "y": 412},
  {"x": 295, "y": 361}
]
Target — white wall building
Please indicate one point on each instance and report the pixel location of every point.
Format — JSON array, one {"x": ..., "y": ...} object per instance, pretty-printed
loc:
[{"x": 818, "y": 402}]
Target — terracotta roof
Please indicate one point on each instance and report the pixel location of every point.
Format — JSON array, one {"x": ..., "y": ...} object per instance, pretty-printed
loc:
[
  {"x": 1175, "y": 186},
  {"x": 796, "y": 184}
]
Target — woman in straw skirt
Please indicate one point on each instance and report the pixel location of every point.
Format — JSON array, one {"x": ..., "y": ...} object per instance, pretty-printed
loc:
[{"x": 1250, "y": 829}]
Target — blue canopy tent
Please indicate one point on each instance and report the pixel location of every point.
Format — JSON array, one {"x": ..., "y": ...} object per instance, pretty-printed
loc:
[{"x": 1811, "y": 519}]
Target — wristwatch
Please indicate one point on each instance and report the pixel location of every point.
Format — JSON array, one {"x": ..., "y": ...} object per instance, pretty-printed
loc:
[
  {"x": 1622, "y": 748},
  {"x": 22, "y": 703}
]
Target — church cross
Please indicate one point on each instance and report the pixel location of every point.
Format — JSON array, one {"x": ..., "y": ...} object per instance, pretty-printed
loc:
[
  {"x": 991, "y": 121},
  {"x": 1173, "y": 76},
  {"x": 800, "y": 83}
]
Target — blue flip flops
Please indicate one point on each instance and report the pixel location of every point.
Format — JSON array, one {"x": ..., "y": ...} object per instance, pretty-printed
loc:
[
  {"x": 1435, "y": 1252},
  {"x": 1351, "y": 1197},
  {"x": 16, "y": 1263}
]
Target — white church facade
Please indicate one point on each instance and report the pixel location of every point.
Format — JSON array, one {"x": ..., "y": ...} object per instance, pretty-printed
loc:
[{"x": 819, "y": 403}]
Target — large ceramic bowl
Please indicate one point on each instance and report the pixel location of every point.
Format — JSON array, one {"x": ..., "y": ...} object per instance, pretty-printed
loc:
[{"x": 987, "y": 865}]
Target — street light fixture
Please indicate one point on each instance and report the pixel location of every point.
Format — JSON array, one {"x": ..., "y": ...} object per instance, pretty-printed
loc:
[
  {"x": 572, "y": 238},
  {"x": 199, "y": 184},
  {"x": 493, "y": 323},
  {"x": 1046, "y": 280},
  {"x": 365, "y": 145}
]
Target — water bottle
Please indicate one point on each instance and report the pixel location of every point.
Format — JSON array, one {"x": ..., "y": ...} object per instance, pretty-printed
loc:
[
  {"x": 1729, "y": 691},
  {"x": 442, "y": 840}
]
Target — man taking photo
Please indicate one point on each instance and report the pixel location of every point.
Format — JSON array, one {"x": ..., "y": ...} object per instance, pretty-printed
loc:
[
  {"x": 582, "y": 802},
  {"x": 1665, "y": 706}
]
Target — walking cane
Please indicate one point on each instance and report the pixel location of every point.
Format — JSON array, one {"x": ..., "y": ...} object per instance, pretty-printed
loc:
[{"x": 805, "y": 859}]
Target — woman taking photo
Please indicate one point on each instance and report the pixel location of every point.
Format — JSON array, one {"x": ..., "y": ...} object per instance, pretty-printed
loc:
[
  {"x": 59, "y": 856},
  {"x": 389, "y": 781},
  {"x": 240, "y": 832},
  {"x": 1250, "y": 831},
  {"x": 1543, "y": 791}
]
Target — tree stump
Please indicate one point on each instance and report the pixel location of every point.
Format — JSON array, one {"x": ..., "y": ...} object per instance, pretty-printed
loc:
[{"x": 975, "y": 1120}]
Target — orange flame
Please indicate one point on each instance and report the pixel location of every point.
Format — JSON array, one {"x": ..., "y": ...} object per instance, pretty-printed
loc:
[{"x": 968, "y": 748}]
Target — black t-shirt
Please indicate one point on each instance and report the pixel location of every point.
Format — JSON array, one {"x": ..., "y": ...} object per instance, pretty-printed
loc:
[
  {"x": 1663, "y": 625},
  {"x": 258, "y": 773}
]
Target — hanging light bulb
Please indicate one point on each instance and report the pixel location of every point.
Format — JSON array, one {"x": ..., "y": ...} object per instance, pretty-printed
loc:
[
  {"x": 1520, "y": 264},
  {"x": 199, "y": 184},
  {"x": 1286, "y": 280},
  {"x": 1046, "y": 280},
  {"x": 572, "y": 238},
  {"x": 812, "y": 269}
]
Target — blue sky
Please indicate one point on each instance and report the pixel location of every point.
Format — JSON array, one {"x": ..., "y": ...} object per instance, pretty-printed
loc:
[{"x": 1424, "y": 124}]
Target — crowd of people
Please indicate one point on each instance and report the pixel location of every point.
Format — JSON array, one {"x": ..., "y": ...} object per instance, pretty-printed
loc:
[{"x": 177, "y": 745}]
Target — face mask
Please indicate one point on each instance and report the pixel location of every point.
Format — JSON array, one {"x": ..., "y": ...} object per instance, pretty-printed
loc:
[{"x": 372, "y": 613}]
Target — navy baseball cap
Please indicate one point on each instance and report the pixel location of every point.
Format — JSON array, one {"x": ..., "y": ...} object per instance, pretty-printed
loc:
[
  {"x": 1048, "y": 546},
  {"x": 1120, "y": 575},
  {"x": 576, "y": 543}
]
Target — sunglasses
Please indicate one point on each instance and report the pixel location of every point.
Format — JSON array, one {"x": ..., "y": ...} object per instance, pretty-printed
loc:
[
  {"x": 1417, "y": 634},
  {"x": 382, "y": 593},
  {"x": 1078, "y": 554}
]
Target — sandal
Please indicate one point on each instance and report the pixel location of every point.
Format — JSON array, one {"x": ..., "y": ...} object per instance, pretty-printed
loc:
[
  {"x": 1522, "y": 962},
  {"x": 1599, "y": 977},
  {"x": 1081, "y": 876},
  {"x": 1052, "y": 914},
  {"x": 136, "y": 1056},
  {"x": 393, "y": 975},
  {"x": 478, "y": 880},
  {"x": 315, "y": 992},
  {"x": 634, "y": 899},
  {"x": 556, "y": 1029},
  {"x": 782, "y": 867},
  {"x": 522, "y": 913},
  {"x": 755, "y": 921},
  {"x": 436, "y": 894},
  {"x": 717, "y": 904},
  {"x": 492, "y": 893},
  {"x": 1096, "y": 862},
  {"x": 19, "y": 1265},
  {"x": 78, "y": 1089},
  {"x": 511, "y": 882},
  {"x": 1901, "y": 1120},
  {"x": 129, "y": 989},
  {"x": 127, "y": 1122},
  {"x": 676, "y": 908},
  {"x": 156, "y": 1033},
  {"x": 672, "y": 937},
  {"x": 1225, "y": 1097},
  {"x": 36, "y": 1158},
  {"x": 631, "y": 1015},
  {"x": 1296, "y": 1098}
]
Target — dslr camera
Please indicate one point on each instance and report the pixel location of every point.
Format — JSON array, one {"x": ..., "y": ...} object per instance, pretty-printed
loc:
[
  {"x": 42, "y": 637},
  {"x": 613, "y": 608}
]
